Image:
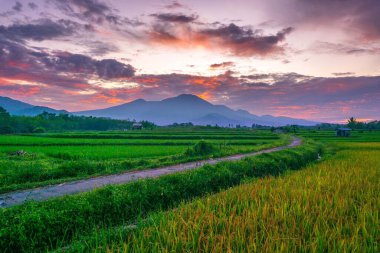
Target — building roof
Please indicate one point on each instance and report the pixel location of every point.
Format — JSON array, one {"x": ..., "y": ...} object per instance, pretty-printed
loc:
[{"x": 344, "y": 129}]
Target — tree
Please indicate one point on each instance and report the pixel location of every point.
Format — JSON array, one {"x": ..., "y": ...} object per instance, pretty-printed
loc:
[
  {"x": 5, "y": 122},
  {"x": 4, "y": 115},
  {"x": 352, "y": 122}
]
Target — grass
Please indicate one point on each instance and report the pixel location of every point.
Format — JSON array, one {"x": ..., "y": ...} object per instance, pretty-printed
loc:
[
  {"x": 62, "y": 157},
  {"x": 36, "y": 227},
  {"x": 259, "y": 204},
  {"x": 331, "y": 206}
]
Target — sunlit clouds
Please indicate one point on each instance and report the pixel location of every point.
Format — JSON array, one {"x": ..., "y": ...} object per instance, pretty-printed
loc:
[{"x": 317, "y": 60}]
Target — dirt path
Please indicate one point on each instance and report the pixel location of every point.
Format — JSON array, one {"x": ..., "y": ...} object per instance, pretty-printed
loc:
[{"x": 43, "y": 193}]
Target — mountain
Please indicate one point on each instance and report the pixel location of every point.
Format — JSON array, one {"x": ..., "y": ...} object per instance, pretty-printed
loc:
[
  {"x": 189, "y": 108},
  {"x": 16, "y": 107}
]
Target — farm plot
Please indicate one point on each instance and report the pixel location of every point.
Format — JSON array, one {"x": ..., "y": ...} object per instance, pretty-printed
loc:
[
  {"x": 331, "y": 206},
  {"x": 37, "y": 160},
  {"x": 55, "y": 223}
]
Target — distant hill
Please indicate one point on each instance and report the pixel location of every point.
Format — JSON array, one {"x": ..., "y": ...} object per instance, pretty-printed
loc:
[
  {"x": 181, "y": 109},
  {"x": 189, "y": 108},
  {"x": 19, "y": 108}
]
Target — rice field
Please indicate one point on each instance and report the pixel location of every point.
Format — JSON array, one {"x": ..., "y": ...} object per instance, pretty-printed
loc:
[
  {"x": 285, "y": 201},
  {"x": 56, "y": 223},
  {"x": 53, "y": 158},
  {"x": 330, "y": 206}
]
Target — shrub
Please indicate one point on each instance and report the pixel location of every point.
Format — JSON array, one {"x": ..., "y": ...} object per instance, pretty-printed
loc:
[{"x": 201, "y": 148}]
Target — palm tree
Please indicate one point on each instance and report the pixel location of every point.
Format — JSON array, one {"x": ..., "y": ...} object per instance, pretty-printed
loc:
[{"x": 352, "y": 122}]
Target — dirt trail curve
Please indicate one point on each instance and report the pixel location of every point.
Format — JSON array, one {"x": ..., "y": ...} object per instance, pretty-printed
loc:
[{"x": 51, "y": 191}]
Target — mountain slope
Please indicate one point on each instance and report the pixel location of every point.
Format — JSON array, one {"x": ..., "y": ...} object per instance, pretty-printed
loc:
[
  {"x": 16, "y": 107},
  {"x": 189, "y": 108}
]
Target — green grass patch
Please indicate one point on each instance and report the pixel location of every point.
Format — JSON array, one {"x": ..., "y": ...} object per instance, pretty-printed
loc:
[{"x": 57, "y": 158}]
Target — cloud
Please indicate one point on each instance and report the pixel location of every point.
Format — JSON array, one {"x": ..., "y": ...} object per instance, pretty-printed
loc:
[
  {"x": 17, "y": 6},
  {"x": 19, "y": 90},
  {"x": 89, "y": 9},
  {"x": 343, "y": 74},
  {"x": 222, "y": 65},
  {"x": 96, "y": 12},
  {"x": 175, "y": 18},
  {"x": 43, "y": 29},
  {"x": 243, "y": 41},
  {"x": 57, "y": 68},
  {"x": 65, "y": 78},
  {"x": 174, "y": 5},
  {"x": 345, "y": 49},
  {"x": 98, "y": 47},
  {"x": 32, "y": 5},
  {"x": 359, "y": 19}
]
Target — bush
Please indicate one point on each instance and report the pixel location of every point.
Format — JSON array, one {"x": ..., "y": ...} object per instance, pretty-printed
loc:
[
  {"x": 46, "y": 225},
  {"x": 202, "y": 148}
]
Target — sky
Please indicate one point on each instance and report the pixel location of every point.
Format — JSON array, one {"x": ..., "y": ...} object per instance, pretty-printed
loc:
[{"x": 317, "y": 59}]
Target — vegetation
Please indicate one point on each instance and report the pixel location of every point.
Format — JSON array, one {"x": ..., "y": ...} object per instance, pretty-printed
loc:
[
  {"x": 330, "y": 206},
  {"x": 202, "y": 148},
  {"x": 61, "y": 157},
  {"x": 50, "y": 224},
  {"x": 351, "y": 123},
  {"x": 62, "y": 122}
]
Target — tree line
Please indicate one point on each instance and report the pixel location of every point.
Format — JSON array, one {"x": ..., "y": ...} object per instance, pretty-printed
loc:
[{"x": 51, "y": 122}]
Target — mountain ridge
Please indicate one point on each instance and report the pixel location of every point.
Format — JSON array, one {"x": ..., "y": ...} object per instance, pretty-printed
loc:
[
  {"x": 183, "y": 108},
  {"x": 189, "y": 108},
  {"x": 19, "y": 108}
]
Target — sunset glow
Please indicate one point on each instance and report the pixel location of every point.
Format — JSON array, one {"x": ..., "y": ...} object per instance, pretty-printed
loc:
[{"x": 317, "y": 60}]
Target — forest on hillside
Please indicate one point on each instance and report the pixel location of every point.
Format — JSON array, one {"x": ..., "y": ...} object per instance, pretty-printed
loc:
[{"x": 50, "y": 122}]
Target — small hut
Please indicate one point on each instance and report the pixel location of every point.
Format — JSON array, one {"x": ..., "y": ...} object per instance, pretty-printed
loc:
[
  {"x": 137, "y": 126},
  {"x": 343, "y": 132}
]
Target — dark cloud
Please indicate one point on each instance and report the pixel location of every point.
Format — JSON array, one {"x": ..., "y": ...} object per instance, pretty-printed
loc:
[
  {"x": 111, "y": 69},
  {"x": 32, "y": 5},
  {"x": 83, "y": 65},
  {"x": 222, "y": 65},
  {"x": 44, "y": 29},
  {"x": 175, "y": 5},
  {"x": 17, "y": 6},
  {"x": 95, "y": 11},
  {"x": 344, "y": 74},
  {"x": 243, "y": 41},
  {"x": 175, "y": 18},
  {"x": 58, "y": 68},
  {"x": 91, "y": 9}
]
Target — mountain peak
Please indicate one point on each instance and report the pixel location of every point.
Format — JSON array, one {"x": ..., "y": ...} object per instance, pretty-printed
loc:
[
  {"x": 187, "y": 98},
  {"x": 140, "y": 100}
]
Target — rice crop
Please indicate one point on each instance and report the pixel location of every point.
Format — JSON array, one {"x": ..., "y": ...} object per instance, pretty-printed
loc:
[
  {"x": 61, "y": 157},
  {"x": 331, "y": 206},
  {"x": 42, "y": 226}
]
